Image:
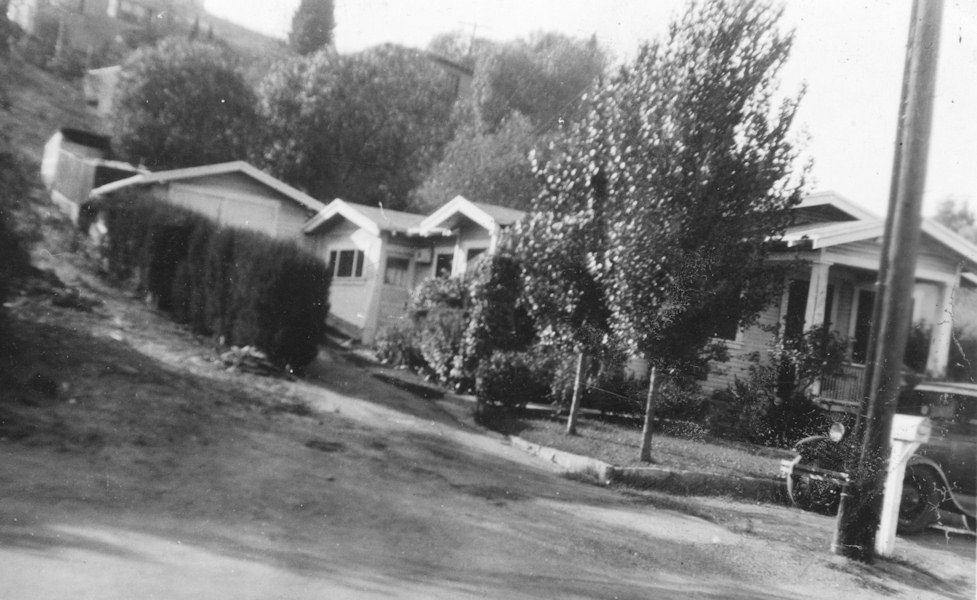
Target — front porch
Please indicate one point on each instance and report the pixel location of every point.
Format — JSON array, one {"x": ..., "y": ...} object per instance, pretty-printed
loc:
[{"x": 836, "y": 290}]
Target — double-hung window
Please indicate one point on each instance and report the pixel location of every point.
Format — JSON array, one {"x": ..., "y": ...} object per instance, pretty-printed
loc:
[{"x": 346, "y": 264}]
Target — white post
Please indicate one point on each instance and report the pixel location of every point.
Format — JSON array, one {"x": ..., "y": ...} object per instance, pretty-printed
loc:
[
  {"x": 942, "y": 336},
  {"x": 908, "y": 433},
  {"x": 817, "y": 296}
]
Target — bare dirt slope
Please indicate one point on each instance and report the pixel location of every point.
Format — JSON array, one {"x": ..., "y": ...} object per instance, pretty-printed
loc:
[{"x": 134, "y": 466}]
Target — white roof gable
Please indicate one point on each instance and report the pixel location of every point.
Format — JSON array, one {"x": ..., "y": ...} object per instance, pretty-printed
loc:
[
  {"x": 488, "y": 216},
  {"x": 238, "y": 166},
  {"x": 370, "y": 218}
]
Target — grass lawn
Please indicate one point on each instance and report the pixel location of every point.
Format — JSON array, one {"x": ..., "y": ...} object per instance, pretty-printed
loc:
[{"x": 619, "y": 444}]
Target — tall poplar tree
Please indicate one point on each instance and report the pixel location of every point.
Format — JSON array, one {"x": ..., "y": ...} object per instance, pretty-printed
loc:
[
  {"x": 312, "y": 26},
  {"x": 685, "y": 160}
]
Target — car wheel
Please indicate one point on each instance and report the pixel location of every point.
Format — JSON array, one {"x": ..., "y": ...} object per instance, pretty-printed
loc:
[
  {"x": 918, "y": 507},
  {"x": 812, "y": 494}
]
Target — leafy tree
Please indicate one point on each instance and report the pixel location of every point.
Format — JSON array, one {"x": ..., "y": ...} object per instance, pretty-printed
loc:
[
  {"x": 490, "y": 167},
  {"x": 459, "y": 47},
  {"x": 959, "y": 217},
  {"x": 520, "y": 90},
  {"x": 693, "y": 169},
  {"x": 542, "y": 77},
  {"x": 183, "y": 104},
  {"x": 558, "y": 243},
  {"x": 364, "y": 127},
  {"x": 312, "y": 26}
]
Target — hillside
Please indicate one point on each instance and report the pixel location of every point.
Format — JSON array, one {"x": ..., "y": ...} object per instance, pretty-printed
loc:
[
  {"x": 257, "y": 49},
  {"x": 36, "y": 104}
]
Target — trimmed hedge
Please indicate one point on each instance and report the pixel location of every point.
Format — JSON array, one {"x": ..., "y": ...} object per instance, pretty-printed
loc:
[
  {"x": 508, "y": 379},
  {"x": 246, "y": 288},
  {"x": 14, "y": 259}
]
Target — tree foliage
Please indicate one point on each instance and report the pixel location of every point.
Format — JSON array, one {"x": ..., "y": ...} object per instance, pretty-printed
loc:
[
  {"x": 542, "y": 77},
  {"x": 364, "y": 127},
  {"x": 312, "y": 26},
  {"x": 959, "y": 217},
  {"x": 520, "y": 90},
  {"x": 696, "y": 166},
  {"x": 183, "y": 104},
  {"x": 491, "y": 167}
]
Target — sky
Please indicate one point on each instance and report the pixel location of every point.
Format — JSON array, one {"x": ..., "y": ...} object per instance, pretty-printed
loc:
[{"x": 847, "y": 54}]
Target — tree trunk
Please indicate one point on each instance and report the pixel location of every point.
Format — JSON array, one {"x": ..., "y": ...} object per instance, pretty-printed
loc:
[
  {"x": 577, "y": 393},
  {"x": 649, "y": 415}
]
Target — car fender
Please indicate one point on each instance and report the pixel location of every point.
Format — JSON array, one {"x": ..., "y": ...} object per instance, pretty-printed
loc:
[
  {"x": 808, "y": 441},
  {"x": 922, "y": 462}
]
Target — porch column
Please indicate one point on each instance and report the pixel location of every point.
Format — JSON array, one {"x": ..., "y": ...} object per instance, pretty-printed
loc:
[
  {"x": 493, "y": 239},
  {"x": 817, "y": 295},
  {"x": 942, "y": 334}
]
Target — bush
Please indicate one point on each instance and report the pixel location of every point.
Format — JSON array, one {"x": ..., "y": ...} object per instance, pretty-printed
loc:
[
  {"x": 432, "y": 341},
  {"x": 245, "y": 287},
  {"x": 450, "y": 292},
  {"x": 507, "y": 379},
  {"x": 14, "y": 260},
  {"x": 440, "y": 338},
  {"x": 497, "y": 321},
  {"x": 398, "y": 345},
  {"x": 774, "y": 405}
]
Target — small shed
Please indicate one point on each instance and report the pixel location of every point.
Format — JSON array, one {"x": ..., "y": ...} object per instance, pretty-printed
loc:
[{"x": 72, "y": 142}]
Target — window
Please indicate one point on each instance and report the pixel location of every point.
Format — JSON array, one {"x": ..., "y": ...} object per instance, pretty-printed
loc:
[
  {"x": 442, "y": 265},
  {"x": 474, "y": 253},
  {"x": 346, "y": 264}
]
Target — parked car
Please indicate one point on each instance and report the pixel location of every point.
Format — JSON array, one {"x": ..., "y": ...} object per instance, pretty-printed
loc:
[{"x": 940, "y": 477}]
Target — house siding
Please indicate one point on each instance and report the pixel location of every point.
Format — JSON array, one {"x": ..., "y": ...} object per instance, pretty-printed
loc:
[
  {"x": 349, "y": 298},
  {"x": 236, "y": 200},
  {"x": 753, "y": 339}
]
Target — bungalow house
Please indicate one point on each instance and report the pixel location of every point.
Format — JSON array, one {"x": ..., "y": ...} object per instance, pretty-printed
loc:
[
  {"x": 839, "y": 245},
  {"x": 378, "y": 256},
  {"x": 234, "y": 194}
]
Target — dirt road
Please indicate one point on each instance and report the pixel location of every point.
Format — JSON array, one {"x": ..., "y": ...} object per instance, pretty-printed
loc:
[{"x": 147, "y": 471}]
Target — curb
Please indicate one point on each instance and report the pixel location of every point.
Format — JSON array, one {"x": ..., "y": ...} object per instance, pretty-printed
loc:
[
  {"x": 571, "y": 463},
  {"x": 670, "y": 480}
]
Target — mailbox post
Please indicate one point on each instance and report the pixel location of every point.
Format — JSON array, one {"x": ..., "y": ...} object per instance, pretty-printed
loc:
[{"x": 908, "y": 433}]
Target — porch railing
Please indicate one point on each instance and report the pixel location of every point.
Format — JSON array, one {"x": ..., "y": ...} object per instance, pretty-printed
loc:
[{"x": 843, "y": 389}]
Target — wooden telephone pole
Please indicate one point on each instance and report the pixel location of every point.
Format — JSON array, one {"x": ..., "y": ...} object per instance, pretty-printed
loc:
[{"x": 861, "y": 500}]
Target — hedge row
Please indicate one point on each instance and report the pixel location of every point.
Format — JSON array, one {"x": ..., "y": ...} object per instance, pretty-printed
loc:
[
  {"x": 242, "y": 286},
  {"x": 14, "y": 260}
]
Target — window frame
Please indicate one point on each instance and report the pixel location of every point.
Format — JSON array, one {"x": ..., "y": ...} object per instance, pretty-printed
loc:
[{"x": 356, "y": 267}]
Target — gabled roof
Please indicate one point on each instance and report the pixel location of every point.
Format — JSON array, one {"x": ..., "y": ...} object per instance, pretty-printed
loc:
[
  {"x": 371, "y": 218},
  {"x": 825, "y": 235},
  {"x": 488, "y": 216},
  {"x": 838, "y": 203},
  {"x": 238, "y": 166}
]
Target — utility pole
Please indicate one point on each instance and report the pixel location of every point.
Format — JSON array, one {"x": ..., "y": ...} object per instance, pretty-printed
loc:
[{"x": 861, "y": 500}]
